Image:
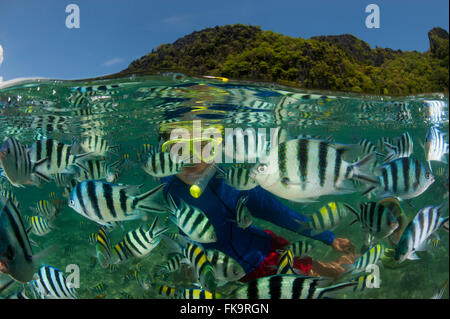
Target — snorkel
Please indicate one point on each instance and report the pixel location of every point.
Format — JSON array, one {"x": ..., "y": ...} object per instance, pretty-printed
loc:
[{"x": 197, "y": 189}]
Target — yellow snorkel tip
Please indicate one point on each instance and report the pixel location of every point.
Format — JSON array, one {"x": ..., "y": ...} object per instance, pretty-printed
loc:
[{"x": 195, "y": 191}]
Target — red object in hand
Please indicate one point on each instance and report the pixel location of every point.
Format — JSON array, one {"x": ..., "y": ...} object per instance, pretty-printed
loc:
[{"x": 268, "y": 267}]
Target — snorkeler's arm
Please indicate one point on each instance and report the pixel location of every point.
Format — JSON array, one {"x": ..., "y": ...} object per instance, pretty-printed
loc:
[{"x": 266, "y": 206}]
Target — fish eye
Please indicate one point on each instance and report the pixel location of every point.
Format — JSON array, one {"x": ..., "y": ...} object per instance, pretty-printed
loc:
[
  {"x": 262, "y": 168},
  {"x": 71, "y": 202},
  {"x": 427, "y": 175}
]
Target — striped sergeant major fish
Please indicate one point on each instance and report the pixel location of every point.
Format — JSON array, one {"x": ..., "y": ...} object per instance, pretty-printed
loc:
[
  {"x": 172, "y": 264},
  {"x": 162, "y": 164},
  {"x": 92, "y": 238},
  {"x": 95, "y": 145},
  {"x": 50, "y": 123},
  {"x": 299, "y": 248},
  {"x": 97, "y": 169},
  {"x": 375, "y": 218},
  {"x": 39, "y": 225},
  {"x": 367, "y": 146},
  {"x": 196, "y": 256},
  {"x": 16, "y": 256},
  {"x": 192, "y": 221},
  {"x": 103, "y": 248},
  {"x": 60, "y": 156},
  {"x": 403, "y": 178},
  {"x": 97, "y": 88},
  {"x": 198, "y": 259},
  {"x": 303, "y": 169},
  {"x": 122, "y": 252},
  {"x": 18, "y": 166},
  {"x": 126, "y": 295},
  {"x": 69, "y": 187},
  {"x": 433, "y": 243},
  {"x": 440, "y": 291},
  {"x": 132, "y": 275},
  {"x": 249, "y": 145},
  {"x": 328, "y": 217},
  {"x": 243, "y": 215},
  {"x": 425, "y": 224},
  {"x": 80, "y": 99},
  {"x": 99, "y": 288},
  {"x": 7, "y": 193},
  {"x": 225, "y": 268},
  {"x": 104, "y": 202},
  {"x": 141, "y": 241},
  {"x": 196, "y": 293},
  {"x": 61, "y": 179},
  {"x": 285, "y": 263},
  {"x": 45, "y": 209},
  {"x": 371, "y": 257},
  {"x": 167, "y": 292},
  {"x": 381, "y": 143},
  {"x": 288, "y": 287},
  {"x": 436, "y": 111},
  {"x": 50, "y": 283},
  {"x": 238, "y": 177},
  {"x": 144, "y": 150},
  {"x": 435, "y": 146},
  {"x": 402, "y": 147},
  {"x": 249, "y": 118}
]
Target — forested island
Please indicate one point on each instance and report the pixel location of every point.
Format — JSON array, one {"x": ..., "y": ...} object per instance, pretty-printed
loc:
[{"x": 336, "y": 62}]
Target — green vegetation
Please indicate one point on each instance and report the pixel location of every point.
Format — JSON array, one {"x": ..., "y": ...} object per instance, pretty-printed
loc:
[{"x": 341, "y": 63}]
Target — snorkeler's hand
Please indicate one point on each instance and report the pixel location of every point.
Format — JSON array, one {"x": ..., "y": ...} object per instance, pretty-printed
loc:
[{"x": 343, "y": 245}]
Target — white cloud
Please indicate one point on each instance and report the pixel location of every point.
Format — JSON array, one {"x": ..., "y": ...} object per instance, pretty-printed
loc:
[
  {"x": 179, "y": 20},
  {"x": 113, "y": 61}
]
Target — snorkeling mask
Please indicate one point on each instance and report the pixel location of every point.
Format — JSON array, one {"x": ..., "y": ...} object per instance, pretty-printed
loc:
[{"x": 196, "y": 190}]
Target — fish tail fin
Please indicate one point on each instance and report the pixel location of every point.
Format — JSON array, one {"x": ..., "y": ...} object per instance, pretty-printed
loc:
[
  {"x": 171, "y": 245},
  {"x": 221, "y": 173},
  {"x": 444, "y": 221},
  {"x": 79, "y": 157},
  {"x": 156, "y": 231},
  {"x": 148, "y": 201},
  {"x": 352, "y": 210},
  {"x": 41, "y": 175},
  {"x": 348, "y": 268},
  {"x": 392, "y": 152},
  {"x": 361, "y": 170},
  {"x": 114, "y": 149}
]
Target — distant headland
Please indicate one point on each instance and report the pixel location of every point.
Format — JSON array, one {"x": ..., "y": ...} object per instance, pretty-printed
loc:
[{"x": 335, "y": 62}]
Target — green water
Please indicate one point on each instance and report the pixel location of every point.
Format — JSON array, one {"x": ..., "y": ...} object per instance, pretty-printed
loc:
[{"x": 131, "y": 114}]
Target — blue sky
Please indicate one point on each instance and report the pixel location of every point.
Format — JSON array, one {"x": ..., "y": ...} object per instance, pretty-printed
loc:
[{"x": 34, "y": 39}]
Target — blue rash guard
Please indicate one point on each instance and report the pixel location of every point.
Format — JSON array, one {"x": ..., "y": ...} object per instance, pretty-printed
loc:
[{"x": 248, "y": 246}]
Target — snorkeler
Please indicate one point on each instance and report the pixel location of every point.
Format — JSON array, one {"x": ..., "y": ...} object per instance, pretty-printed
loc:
[{"x": 255, "y": 249}]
